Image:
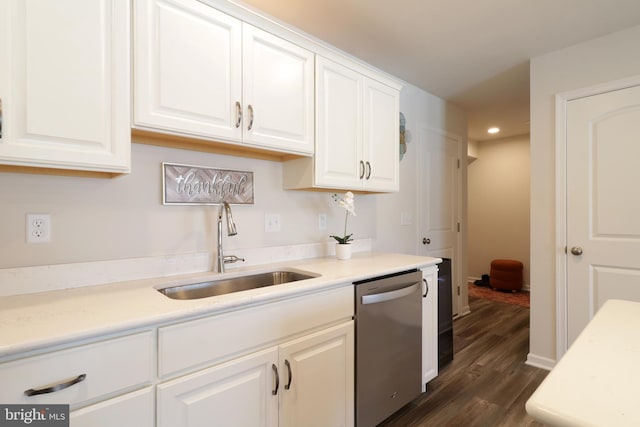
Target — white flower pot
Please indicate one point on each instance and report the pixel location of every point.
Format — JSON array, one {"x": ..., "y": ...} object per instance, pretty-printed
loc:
[{"x": 343, "y": 250}]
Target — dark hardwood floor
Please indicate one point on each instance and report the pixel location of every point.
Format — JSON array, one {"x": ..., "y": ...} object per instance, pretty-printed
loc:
[{"x": 488, "y": 383}]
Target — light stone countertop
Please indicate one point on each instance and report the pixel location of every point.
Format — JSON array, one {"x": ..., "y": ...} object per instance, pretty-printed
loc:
[
  {"x": 32, "y": 322},
  {"x": 596, "y": 382}
]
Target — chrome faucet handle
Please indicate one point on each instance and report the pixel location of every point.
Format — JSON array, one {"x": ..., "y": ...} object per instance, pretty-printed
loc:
[{"x": 230, "y": 259}]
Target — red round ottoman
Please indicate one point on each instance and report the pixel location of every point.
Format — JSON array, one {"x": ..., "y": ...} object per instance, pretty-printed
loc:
[{"x": 506, "y": 274}]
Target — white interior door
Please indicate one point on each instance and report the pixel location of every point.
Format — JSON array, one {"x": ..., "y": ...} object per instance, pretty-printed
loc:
[
  {"x": 603, "y": 203},
  {"x": 439, "y": 201}
]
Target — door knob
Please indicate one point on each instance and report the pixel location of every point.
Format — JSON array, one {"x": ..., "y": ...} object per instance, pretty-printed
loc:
[
  {"x": 426, "y": 241},
  {"x": 576, "y": 250}
]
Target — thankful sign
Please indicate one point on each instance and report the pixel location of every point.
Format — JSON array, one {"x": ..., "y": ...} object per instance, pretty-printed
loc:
[{"x": 197, "y": 185}]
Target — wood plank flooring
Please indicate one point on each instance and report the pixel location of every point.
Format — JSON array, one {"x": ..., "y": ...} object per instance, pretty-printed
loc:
[{"x": 488, "y": 383}]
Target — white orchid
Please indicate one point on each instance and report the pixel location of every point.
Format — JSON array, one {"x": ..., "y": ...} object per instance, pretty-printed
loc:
[{"x": 348, "y": 203}]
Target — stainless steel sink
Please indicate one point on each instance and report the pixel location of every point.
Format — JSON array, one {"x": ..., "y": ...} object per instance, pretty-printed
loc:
[{"x": 233, "y": 284}]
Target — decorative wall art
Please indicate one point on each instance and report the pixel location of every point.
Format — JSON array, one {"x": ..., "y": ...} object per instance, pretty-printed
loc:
[
  {"x": 199, "y": 185},
  {"x": 403, "y": 141}
]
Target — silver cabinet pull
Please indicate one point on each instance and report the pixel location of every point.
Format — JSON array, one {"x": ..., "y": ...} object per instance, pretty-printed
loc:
[
  {"x": 362, "y": 169},
  {"x": 288, "y": 365},
  {"x": 426, "y": 286},
  {"x": 56, "y": 387},
  {"x": 250, "y": 107},
  {"x": 275, "y": 372},
  {"x": 238, "y": 114},
  {"x": 426, "y": 241},
  {"x": 368, "y": 170}
]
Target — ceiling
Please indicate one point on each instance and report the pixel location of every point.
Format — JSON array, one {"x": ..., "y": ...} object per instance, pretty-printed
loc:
[{"x": 474, "y": 53}]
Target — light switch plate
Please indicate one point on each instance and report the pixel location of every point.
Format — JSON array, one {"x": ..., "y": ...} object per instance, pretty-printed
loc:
[
  {"x": 322, "y": 222},
  {"x": 271, "y": 223}
]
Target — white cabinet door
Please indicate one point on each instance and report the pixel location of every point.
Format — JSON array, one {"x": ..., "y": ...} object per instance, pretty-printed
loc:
[
  {"x": 317, "y": 376},
  {"x": 64, "y": 86},
  {"x": 357, "y": 134},
  {"x": 187, "y": 65},
  {"x": 429, "y": 324},
  {"x": 381, "y": 151},
  {"x": 203, "y": 73},
  {"x": 278, "y": 82},
  {"x": 338, "y": 159},
  {"x": 133, "y": 409},
  {"x": 236, "y": 393}
]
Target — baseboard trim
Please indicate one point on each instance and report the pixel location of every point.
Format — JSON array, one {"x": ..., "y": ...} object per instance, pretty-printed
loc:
[{"x": 540, "y": 362}]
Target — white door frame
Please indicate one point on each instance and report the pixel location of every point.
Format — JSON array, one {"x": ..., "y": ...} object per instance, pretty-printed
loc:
[
  {"x": 462, "y": 308},
  {"x": 561, "y": 199}
]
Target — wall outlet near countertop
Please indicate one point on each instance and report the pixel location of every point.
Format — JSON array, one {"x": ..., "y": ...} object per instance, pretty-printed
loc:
[{"x": 38, "y": 228}]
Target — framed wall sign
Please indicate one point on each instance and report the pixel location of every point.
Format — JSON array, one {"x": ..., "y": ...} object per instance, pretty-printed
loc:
[{"x": 199, "y": 185}]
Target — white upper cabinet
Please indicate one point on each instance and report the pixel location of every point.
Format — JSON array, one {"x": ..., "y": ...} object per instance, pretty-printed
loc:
[
  {"x": 339, "y": 158},
  {"x": 202, "y": 73},
  {"x": 381, "y": 148},
  {"x": 277, "y": 92},
  {"x": 64, "y": 84},
  {"x": 187, "y": 68},
  {"x": 357, "y": 134}
]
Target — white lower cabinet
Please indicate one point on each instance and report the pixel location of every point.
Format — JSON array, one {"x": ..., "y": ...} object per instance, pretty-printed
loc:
[
  {"x": 105, "y": 383},
  {"x": 304, "y": 382},
  {"x": 318, "y": 376},
  {"x": 80, "y": 375},
  {"x": 236, "y": 393},
  {"x": 429, "y": 324},
  {"x": 133, "y": 409}
]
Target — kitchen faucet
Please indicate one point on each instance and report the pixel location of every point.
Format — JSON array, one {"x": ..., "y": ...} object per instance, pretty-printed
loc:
[{"x": 231, "y": 231}]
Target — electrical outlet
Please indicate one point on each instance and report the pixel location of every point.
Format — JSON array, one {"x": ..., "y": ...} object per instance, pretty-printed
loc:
[
  {"x": 271, "y": 223},
  {"x": 322, "y": 222},
  {"x": 38, "y": 228}
]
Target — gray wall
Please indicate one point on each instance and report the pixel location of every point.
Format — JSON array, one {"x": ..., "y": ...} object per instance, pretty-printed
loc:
[{"x": 103, "y": 219}]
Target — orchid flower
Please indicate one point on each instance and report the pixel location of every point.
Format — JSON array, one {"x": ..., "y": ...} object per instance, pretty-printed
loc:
[{"x": 347, "y": 202}]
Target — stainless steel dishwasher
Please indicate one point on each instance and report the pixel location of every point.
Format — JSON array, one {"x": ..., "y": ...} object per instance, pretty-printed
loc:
[{"x": 388, "y": 345}]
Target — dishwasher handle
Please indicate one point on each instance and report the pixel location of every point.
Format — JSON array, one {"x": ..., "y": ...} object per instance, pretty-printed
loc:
[{"x": 391, "y": 295}]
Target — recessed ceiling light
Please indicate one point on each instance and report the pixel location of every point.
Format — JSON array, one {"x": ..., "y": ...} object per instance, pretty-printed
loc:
[{"x": 493, "y": 130}]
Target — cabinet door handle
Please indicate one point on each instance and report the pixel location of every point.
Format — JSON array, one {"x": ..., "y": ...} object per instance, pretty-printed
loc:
[
  {"x": 288, "y": 365},
  {"x": 362, "y": 169},
  {"x": 426, "y": 287},
  {"x": 56, "y": 387},
  {"x": 368, "y": 170},
  {"x": 250, "y": 107},
  {"x": 238, "y": 114},
  {"x": 275, "y": 372}
]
